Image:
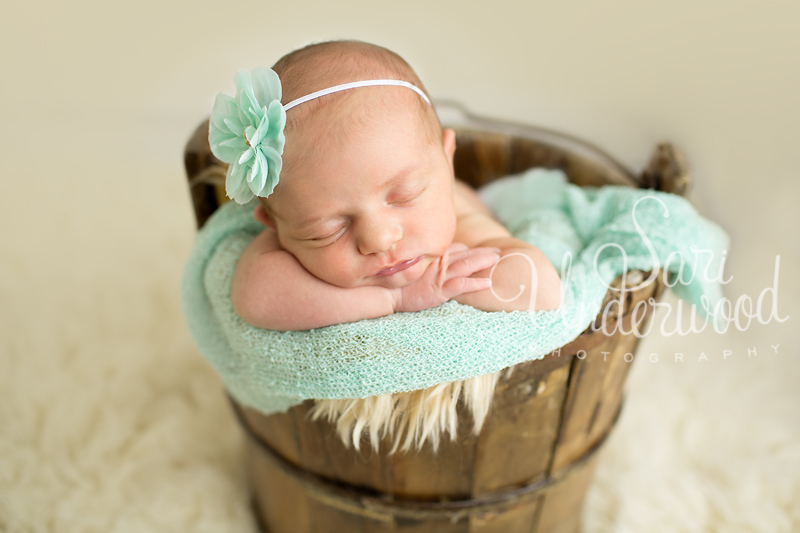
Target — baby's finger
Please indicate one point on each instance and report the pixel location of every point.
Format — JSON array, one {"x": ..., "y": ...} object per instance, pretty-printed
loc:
[
  {"x": 456, "y": 247},
  {"x": 458, "y": 286},
  {"x": 471, "y": 261},
  {"x": 460, "y": 254}
]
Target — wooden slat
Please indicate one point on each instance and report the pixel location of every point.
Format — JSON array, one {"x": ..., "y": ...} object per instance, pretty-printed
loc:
[
  {"x": 277, "y": 430},
  {"x": 282, "y": 503},
  {"x": 326, "y": 517},
  {"x": 585, "y": 390},
  {"x": 561, "y": 510},
  {"x": 538, "y": 395},
  {"x": 430, "y": 475},
  {"x": 520, "y": 519},
  {"x": 515, "y": 446},
  {"x": 407, "y": 525},
  {"x": 363, "y": 468},
  {"x": 313, "y": 443},
  {"x": 596, "y": 386},
  {"x": 546, "y": 416}
]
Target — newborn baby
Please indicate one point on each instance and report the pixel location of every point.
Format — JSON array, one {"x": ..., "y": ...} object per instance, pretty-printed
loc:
[{"x": 367, "y": 218}]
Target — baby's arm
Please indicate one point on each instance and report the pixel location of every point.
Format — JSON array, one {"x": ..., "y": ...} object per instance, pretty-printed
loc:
[
  {"x": 521, "y": 264},
  {"x": 272, "y": 290}
]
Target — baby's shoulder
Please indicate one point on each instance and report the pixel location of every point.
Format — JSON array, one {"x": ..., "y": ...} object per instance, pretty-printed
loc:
[
  {"x": 475, "y": 223},
  {"x": 467, "y": 200}
]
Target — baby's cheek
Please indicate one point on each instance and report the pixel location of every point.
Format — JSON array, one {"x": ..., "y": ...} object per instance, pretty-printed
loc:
[
  {"x": 316, "y": 264},
  {"x": 441, "y": 230},
  {"x": 448, "y": 235},
  {"x": 334, "y": 269},
  {"x": 425, "y": 262},
  {"x": 448, "y": 226}
]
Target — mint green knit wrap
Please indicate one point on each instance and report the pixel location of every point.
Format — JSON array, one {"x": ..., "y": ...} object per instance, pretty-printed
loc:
[{"x": 272, "y": 371}]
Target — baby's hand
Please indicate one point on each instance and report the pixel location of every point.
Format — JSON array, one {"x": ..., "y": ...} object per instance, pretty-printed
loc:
[{"x": 447, "y": 277}]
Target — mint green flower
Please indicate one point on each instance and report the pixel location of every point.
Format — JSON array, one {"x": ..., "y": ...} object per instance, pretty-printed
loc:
[{"x": 247, "y": 133}]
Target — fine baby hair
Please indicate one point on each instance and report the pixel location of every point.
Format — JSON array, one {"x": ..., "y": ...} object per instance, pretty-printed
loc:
[
  {"x": 247, "y": 131},
  {"x": 357, "y": 194}
]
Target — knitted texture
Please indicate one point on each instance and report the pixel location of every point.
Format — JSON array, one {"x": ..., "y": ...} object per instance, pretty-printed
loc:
[{"x": 272, "y": 371}]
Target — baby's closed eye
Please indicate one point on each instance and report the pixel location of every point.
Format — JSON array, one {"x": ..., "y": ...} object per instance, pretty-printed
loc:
[
  {"x": 328, "y": 235},
  {"x": 407, "y": 197}
]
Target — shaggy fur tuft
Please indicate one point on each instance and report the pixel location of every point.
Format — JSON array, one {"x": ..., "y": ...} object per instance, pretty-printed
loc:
[{"x": 414, "y": 417}]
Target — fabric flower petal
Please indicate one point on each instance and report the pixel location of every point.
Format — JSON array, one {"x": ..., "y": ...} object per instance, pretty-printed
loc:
[
  {"x": 237, "y": 143},
  {"x": 246, "y": 156},
  {"x": 266, "y": 86},
  {"x": 250, "y": 111},
  {"x": 227, "y": 149},
  {"x": 256, "y": 180},
  {"x": 234, "y": 125},
  {"x": 258, "y": 176},
  {"x": 243, "y": 194},
  {"x": 277, "y": 122},
  {"x": 256, "y": 167},
  {"x": 260, "y": 133},
  {"x": 234, "y": 178},
  {"x": 221, "y": 137},
  {"x": 224, "y": 107},
  {"x": 247, "y": 132},
  {"x": 240, "y": 190},
  {"x": 274, "y": 164}
]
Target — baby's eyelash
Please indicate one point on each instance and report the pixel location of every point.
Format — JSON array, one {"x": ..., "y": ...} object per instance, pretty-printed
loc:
[
  {"x": 325, "y": 238},
  {"x": 409, "y": 200}
]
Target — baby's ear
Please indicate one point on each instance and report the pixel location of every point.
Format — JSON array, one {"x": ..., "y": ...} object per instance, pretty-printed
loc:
[{"x": 261, "y": 215}]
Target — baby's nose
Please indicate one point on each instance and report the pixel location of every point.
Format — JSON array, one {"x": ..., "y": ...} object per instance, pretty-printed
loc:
[{"x": 378, "y": 235}]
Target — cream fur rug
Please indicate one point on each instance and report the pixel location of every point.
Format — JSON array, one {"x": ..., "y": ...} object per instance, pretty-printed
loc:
[
  {"x": 110, "y": 422},
  {"x": 129, "y": 431}
]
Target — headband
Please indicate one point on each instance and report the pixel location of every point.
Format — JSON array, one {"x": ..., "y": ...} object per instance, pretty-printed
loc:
[{"x": 247, "y": 131}]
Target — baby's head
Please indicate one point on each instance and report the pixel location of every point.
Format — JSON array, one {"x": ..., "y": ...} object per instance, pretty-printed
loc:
[{"x": 366, "y": 191}]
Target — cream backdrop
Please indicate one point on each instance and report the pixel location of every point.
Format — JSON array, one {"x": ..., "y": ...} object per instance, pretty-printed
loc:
[{"x": 110, "y": 422}]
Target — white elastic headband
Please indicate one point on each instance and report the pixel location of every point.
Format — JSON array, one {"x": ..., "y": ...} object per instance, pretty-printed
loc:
[
  {"x": 353, "y": 85},
  {"x": 247, "y": 131}
]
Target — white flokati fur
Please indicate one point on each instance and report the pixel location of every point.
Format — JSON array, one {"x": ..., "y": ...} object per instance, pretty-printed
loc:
[
  {"x": 414, "y": 417},
  {"x": 111, "y": 422}
]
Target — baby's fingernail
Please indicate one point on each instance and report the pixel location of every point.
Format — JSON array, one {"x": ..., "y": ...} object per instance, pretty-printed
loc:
[{"x": 498, "y": 250}]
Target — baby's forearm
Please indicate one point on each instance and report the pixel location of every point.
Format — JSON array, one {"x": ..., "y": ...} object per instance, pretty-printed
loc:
[
  {"x": 324, "y": 309},
  {"x": 273, "y": 291}
]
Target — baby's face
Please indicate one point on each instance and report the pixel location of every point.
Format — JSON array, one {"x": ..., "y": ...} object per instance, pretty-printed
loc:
[{"x": 373, "y": 207}]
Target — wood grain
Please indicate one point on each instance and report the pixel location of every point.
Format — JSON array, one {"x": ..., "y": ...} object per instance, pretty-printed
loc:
[{"x": 529, "y": 468}]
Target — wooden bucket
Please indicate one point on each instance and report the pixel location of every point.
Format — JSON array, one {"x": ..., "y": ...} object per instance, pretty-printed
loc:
[{"x": 530, "y": 466}]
